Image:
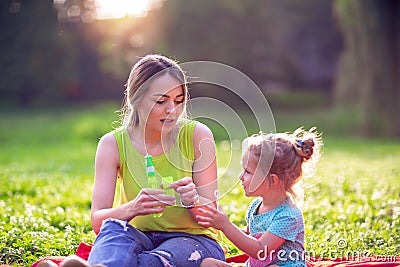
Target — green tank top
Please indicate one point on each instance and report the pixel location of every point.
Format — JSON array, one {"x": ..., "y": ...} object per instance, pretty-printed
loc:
[{"x": 176, "y": 162}]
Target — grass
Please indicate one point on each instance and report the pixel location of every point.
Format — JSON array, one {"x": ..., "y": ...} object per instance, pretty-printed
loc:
[{"x": 352, "y": 203}]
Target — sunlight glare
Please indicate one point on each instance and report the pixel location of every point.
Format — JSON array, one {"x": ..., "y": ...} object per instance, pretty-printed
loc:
[{"x": 115, "y": 9}]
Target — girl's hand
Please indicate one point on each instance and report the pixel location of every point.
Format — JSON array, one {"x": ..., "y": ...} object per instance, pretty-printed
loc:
[
  {"x": 187, "y": 191},
  {"x": 148, "y": 201},
  {"x": 212, "y": 216}
]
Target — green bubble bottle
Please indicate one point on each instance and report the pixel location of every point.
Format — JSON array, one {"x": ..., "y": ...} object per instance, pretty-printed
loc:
[
  {"x": 151, "y": 172},
  {"x": 151, "y": 177},
  {"x": 155, "y": 181}
]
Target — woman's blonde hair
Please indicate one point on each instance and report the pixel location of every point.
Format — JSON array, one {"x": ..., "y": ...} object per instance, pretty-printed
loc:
[
  {"x": 290, "y": 156},
  {"x": 140, "y": 77}
]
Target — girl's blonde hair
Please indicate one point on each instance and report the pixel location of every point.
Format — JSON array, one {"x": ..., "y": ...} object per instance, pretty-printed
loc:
[
  {"x": 290, "y": 156},
  {"x": 142, "y": 74}
]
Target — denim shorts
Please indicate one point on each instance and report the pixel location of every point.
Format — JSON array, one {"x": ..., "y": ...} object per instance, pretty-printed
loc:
[{"x": 121, "y": 245}]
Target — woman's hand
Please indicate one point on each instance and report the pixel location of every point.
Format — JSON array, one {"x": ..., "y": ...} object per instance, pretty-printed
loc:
[
  {"x": 187, "y": 191},
  {"x": 212, "y": 216},
  {"x": 148, "y": 201}
]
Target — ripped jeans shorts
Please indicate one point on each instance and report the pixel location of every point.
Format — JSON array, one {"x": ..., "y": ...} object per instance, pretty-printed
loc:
[{"x": 121, "y": 245}]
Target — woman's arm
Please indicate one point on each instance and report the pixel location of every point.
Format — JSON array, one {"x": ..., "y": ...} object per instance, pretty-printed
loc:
[
  {"x": 255, "y": 248},
  {"x": 205, "y": 163},
  {"x": 106, "y": 170}
]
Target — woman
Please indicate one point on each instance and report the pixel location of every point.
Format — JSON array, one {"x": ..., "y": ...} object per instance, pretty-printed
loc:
[{"x": 154, "y": 124}]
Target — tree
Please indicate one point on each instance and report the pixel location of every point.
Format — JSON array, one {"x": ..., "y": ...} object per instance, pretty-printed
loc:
[
  {"x": 278, "y": 43},
  {"x": 36, "y": 54},
  {"x": 369, "y": 69}
]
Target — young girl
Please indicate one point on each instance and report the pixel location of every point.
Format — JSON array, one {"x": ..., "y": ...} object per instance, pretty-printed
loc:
[{"x": 273, "y": 165}]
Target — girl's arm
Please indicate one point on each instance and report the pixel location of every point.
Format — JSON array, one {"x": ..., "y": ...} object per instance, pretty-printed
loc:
[
  {"x": 204, "y": 180},
  {"x": 106, "y": 170},
  {"x": 255, "y": 248}
]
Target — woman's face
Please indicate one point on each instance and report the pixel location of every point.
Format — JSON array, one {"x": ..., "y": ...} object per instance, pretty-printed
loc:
[{"x": 162, "y": 104}]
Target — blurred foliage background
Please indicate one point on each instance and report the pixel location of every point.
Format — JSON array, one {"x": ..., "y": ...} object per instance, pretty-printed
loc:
[{"x": 343, "y": 54}]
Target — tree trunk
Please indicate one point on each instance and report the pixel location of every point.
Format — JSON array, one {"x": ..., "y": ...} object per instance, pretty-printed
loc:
[{"x": 369, "y": 67}]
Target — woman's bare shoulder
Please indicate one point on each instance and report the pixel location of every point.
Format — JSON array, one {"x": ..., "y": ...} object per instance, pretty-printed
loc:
[
  {"x": 108, "y": 145},
  {"x": 108, "y": 139},
  {"x": 201, "y": 131}
]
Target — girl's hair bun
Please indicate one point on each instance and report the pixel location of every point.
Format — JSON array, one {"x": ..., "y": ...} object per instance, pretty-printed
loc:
[{"x": 304, "y": 148}]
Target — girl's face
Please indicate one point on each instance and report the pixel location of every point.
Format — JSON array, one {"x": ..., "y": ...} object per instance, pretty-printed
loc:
[
  {"x": 252, "y": 180},
  {"x": 162, "y": 104}
]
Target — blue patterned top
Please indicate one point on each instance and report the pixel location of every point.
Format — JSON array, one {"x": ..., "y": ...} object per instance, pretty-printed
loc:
[{"x": 285, "y": 221}]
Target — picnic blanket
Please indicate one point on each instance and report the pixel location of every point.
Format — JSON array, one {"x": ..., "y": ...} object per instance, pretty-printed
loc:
[{"x": 372, "y": 261}]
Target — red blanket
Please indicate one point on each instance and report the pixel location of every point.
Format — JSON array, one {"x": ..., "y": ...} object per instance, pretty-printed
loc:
[{"x": 373, "y": 261}]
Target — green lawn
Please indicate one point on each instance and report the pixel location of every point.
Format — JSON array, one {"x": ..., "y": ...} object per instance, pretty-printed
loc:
[{"x": 352, "y": 203}]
